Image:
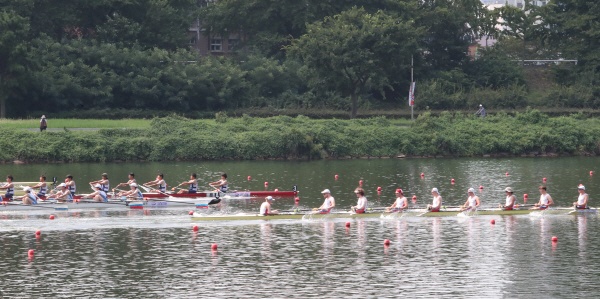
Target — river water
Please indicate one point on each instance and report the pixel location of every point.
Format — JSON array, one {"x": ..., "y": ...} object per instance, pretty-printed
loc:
[{"x": 117, "y": 253}]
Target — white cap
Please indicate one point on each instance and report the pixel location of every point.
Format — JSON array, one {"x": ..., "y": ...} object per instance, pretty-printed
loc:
[
  {"x": 62, "y": 185},
  {"x": 325, "y": 191},
  {"x": 435, "y": 190},
  {"x": 133, "y": 185},
  {"x": 27, "y": 189},
  {"x": 471, "y": 190},
  {"x": 269, "y": 198},
  {"x": 97, "y": 186},
  {"x": 582, "y": 187},
  {"x": 480, "y": 105}
]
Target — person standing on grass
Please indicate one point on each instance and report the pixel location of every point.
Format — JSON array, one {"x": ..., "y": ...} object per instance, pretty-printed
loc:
[
  {"x": 43, "y": 123},
  {"x": 481, "y": 111}
]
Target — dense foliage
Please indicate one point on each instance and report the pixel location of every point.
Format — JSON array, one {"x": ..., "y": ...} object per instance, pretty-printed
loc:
[
  {"x": 57, "y": 56},
  {"x": 284, "y": 137}
]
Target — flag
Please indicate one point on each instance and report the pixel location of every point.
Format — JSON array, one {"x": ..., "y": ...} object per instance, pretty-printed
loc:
[{"x": 411, "y": 94}]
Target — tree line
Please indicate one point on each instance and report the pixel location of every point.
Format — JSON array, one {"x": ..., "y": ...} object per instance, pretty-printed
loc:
[{"x": 347, "y": 55}]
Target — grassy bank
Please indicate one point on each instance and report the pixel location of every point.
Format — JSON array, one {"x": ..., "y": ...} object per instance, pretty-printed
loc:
[
  {"x": 7, "y": 124},
  {"x": 284, "y": 137}
]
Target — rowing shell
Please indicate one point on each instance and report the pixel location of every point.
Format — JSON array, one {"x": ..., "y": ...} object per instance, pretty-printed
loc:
[
  {"x": 208, "y": 194},
  {"x": 199, "y": 203},
  {"x": 412, "y": 213}
]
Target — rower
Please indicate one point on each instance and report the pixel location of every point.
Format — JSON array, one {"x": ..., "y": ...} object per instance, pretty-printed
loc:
[
  {"x": 64, "y": 194},
  {"x": 582, "y": 200},
  {"x": 511, "y": 199},
  {"x": 43, "y": 187},
  {"x": 265, "y": 207},
  {"x": 71, "y": 185},
  {"x": 221, "y": 184},
  {"x": 10, "y": 189},
  {"x": 361, "y": 205},
  {"x": 472, "y": 202},
  {"x": 159, "y": 182},
  {"x": 98, "y": 195},
  {"x": 193, "y": 183},
  {"x": 400, "y": 204},
  {"x": 134, "y": 193},
  {"x": 104, "y": 183},
  {"x": 131, "y": 180},
  {"x": 328, "y": 203},
  {"x": 437, "y": 201},
  {"x": 545, "y": 199},
  {"x": 29, "y": 198}
]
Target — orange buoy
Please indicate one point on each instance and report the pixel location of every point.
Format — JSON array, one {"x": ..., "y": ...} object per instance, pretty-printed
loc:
[
  {"x": 195, "y": 228},
  {"x": 386, "y": 242},
  {"x": 296, "y": 199},
  {"x": 276, "y": 190},
  {"x": 493, "y": 221},
  {"x": 554, "y": 239},
  {"x": 591, "y": 172},
  {"x": 214, "y": 247},
  {"x": 51, "y": 217},
  {"x": 544, "y": 180},
  {"x": 506, "y": 173},
  {"x": 266, "y": 184},
  {"x": 336, "y": 177},
  {"x": 347, "y": 224}
]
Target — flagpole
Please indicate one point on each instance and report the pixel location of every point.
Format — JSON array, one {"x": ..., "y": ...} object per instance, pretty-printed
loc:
[{"x": 411, "y": 84}]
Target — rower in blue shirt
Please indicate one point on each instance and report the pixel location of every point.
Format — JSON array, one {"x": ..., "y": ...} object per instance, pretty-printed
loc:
[{"x": 193, "y": 185}]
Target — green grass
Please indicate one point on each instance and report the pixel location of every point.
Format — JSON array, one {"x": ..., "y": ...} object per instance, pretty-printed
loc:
[{"x": 75, "y": 123}]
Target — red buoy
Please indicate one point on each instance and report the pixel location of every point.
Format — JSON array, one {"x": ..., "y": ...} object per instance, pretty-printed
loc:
[
  {"x": 191, "y": 213},
  {"x": 422, "y": 174},
  {"x": 38, "y": 232},
  {"x": 525, "y": 196},
  {"x": 347, "y": 224},
  {"x": 266, "y": 184},
  {"x": 360, "y": 183},
  {"x": 544, "y": 180},
  {"x": 195, "y": 228},
  {"x": 414, "y": 198},
  {"x": 379, "y": 189},
  {"x": 31, "y": 253},
  {"x": 554, "y": 239},
  {"x": 591, "y": 172},
  {"x": 493, "y": 221},
  {"x": 51, "y": 217},
  {"x": 506, "y": 173},
  {"x": 480, "y": 187},
  {"x": 336, "y": 177},
  {"x": 249, "y": 178},
  {"x": 452, "y": 181},
  {"x": 214, "y": 247},
  {"x": 297, "y": 199},
  {"x": 276, "y": 190},
  {"x": 386, "y": 242}
]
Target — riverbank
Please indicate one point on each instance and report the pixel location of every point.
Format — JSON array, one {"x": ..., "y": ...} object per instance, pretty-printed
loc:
[{"x": 530, "y": 133}]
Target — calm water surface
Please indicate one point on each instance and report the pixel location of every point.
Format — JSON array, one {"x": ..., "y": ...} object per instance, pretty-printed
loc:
[{"x": 115, "y": 253}]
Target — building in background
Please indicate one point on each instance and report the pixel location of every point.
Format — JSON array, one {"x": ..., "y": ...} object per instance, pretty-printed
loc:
[{"x": 207, "y": 43}]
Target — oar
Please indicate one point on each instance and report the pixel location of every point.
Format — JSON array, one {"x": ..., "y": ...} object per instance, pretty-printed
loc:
[{"x": 41, "y": 206}]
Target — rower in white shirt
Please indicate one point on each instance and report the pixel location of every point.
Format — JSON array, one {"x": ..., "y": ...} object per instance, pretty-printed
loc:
[
  {"x": 436, "y": 205},
  {"x": 265, "y": 207},
  {"x": 361, "y": 205},
  {"x": 472, "y": 202},
  {"x": 510, "y": 201},
  {"x": 545, "y": 200},
  {"x": 328, "y": 203},
  {"x": 582, "y": 199},
  {"x": 400, "y": 204}
]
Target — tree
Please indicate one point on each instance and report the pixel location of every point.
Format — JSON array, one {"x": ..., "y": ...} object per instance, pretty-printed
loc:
[
  {"x": 13, "y": 29},
  {"x": 355, "y": 51}
]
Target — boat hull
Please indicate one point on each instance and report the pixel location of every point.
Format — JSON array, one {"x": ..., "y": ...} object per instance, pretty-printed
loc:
[
  {"x": 412, "y": 213},
  {"x": 199, "y": 203},
  {"x": 236, "y": 194}
]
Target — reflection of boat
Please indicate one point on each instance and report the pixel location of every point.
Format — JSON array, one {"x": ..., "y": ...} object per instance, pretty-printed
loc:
[
  {"x": 112, "y": 203},
  {"x": 213, "y": 194},
  {"x": 374, "y": 214}
]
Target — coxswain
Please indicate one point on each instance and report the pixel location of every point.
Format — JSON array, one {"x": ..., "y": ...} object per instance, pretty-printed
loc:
[
  {"x": 582, "y": 200},
  {"x": 131, "y": 180},
  {"x": 400, "y": 204},
  {"x": 328, "y": 203},
  {"x": 43, "y": 187},
  {"x": 265, "y": 207},
  {"x": 134, "y": 193},
  {"x": 98, "y": 195},
  {"x": 545, "y": 199},
  {"x": 472, "y": 202},
  {"x": 361, "y": 205},
  {"x": 103, "y": 182},
  {"x": 193, "y": 185},
  {"x": 511, "y": 199},
  {"x": 159, "y": 183},
  {"x": 9, "y": 187},
  {"x": 63, "y": 195},
  {"x": 29, "y": 198},
  {"x": 436, "y": 205},
  {"x": 71, "y": 185},
  {"x": 220, "y": 185}
]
